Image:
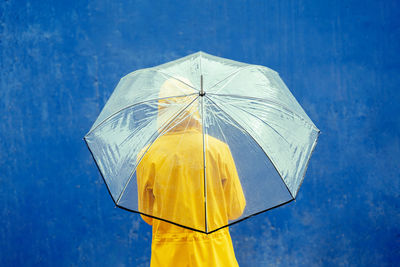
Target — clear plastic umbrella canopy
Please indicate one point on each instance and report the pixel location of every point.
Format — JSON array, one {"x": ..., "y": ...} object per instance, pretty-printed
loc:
[{"x": 202, "y": 142}]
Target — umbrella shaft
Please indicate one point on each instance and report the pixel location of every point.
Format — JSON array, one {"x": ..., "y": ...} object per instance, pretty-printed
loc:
[{"x": 201, "y": 86}]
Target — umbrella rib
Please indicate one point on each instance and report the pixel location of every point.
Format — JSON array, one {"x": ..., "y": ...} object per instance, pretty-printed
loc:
[
  {"x": 266, "y": 123},
  {"x": 171, "y": 76},
  {"x": 239, "y": 125},
  {"x": 233, "y": 73},
  {"x": 156, "y": 69},
  {"x": 308, "y": 161},
  {"x": 139, "y": 103},
  {"x": 156, "y": 135},
  {"x": 265, "y": 100},
  {"x": 98, "y": 167}
]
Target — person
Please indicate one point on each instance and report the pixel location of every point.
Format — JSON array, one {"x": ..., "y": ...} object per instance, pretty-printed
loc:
[{"x": 170, "y": 179}]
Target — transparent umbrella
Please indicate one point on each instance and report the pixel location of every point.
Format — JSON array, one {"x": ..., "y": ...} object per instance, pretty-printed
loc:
[{"x": 202, "y": 142}]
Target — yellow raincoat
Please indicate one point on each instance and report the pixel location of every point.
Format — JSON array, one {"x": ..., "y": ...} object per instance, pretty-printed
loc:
[{"x": 170, "y": 180}]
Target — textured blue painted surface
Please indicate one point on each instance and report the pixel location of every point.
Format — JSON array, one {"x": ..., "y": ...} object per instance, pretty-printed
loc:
[{"x": 60, "y": 61}]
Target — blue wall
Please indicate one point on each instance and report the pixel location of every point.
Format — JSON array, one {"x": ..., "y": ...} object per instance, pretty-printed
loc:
[{"x": 60, "y": 61}]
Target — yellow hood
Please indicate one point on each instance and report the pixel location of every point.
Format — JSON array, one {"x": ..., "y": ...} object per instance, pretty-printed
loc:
[{"x": 178, "y": 93}]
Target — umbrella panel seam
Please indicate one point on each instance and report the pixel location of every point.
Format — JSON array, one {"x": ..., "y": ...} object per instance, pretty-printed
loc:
[
  {"x": 158, "y": 70},
  {"x": 239, "y": 125},
  {"x": 268, "y": 100},
  {"x": 170, "y": 75},
  {"x": 133, "y": 105},
  {"x": 98, "y": 167},
  {"x": 308, "y": 161},
  {"x": 156, "y": 137},
  {"x": 266, "y": 123},
  {"x": 231, "y": 74}
]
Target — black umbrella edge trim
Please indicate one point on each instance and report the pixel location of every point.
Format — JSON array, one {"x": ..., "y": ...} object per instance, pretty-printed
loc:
[
  {"x": 204, "y": 232},
  {"x": 277, "y": 206},
  {"x": 177, "y": 224},
  {"x": 157, "y": 218}
]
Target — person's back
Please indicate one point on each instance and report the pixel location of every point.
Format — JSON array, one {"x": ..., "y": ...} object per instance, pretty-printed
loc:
[
  {"x": 171, "y": 183},
  {"x": 171, "y": 186}
]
